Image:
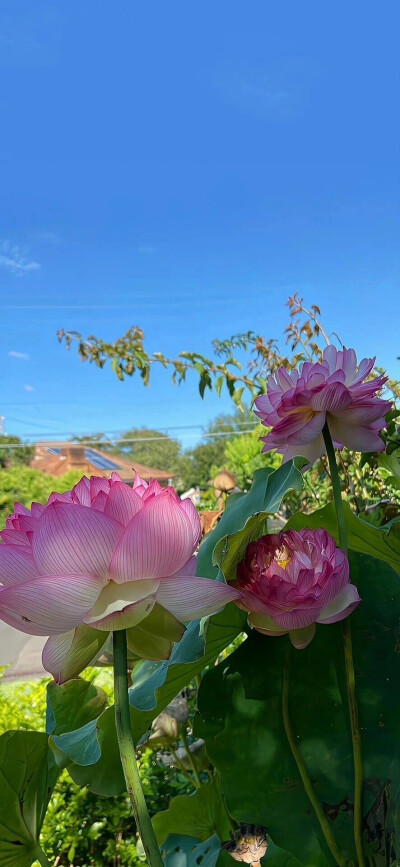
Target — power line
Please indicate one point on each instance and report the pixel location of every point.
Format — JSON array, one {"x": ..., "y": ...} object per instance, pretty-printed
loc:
[
  {"x": 119, "y": 431},
  {"x": 129, "y": 440}
]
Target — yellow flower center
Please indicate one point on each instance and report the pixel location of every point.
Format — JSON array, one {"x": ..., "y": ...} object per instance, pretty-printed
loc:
[{"x": 282, "y": 557}]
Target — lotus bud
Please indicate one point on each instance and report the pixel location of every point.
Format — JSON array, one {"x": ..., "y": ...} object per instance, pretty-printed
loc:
[{"x": 164, "y": 729}]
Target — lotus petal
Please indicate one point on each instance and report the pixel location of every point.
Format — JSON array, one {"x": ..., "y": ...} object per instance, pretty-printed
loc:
[{"x": 120, "y": 606}]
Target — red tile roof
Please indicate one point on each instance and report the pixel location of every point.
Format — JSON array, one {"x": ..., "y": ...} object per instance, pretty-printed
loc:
[{"x": 58, "y": 458}]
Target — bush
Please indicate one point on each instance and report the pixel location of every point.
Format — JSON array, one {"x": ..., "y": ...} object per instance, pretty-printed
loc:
[{"x": 25, "y": 485}]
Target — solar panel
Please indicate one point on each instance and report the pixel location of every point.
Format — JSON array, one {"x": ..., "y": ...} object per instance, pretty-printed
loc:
[
  {"x": 99, "y": 461},
  {"x": 54, "y": 451}
]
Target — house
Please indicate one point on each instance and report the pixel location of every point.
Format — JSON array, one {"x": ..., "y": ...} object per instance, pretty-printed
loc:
[
  {"x": 193, "y": 494},
  {"x": 58, "y": 458}
]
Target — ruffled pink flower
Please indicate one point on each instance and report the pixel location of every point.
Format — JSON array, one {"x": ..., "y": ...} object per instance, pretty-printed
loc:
[
  {"x": 100, "y": 558},
  {"x": 290, "y": 581},
  {"x": 298, "y": 402}
]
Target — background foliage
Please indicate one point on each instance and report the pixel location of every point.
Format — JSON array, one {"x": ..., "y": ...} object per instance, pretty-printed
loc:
[{"x": 19, "y": 483}]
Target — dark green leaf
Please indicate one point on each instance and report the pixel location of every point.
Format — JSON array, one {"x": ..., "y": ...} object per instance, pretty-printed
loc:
[
  {"x": 230, "y": 550},
  {"x": 199, "y": 815},
  {"x": 205, "y": 382},
  {"x": 241, "y": 720}
]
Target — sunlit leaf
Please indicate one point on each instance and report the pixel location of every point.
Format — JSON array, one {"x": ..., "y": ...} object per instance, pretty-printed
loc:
[{"x": 27, "y": 775}]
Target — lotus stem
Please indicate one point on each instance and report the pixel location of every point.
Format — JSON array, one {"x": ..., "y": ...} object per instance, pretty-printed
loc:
[
  {"x": 181, "y": 767},
  {"x": 349, "y": 661},
  {"x": 216, "y": 776},
  {"x": 127, "y": 750},
  {"x": 190, "y": 757},
  {"x": 315, "y": 802},
  {"x": 337, "y": 492}
]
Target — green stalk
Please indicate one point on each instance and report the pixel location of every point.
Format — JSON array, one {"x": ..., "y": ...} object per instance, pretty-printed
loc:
[
  {"x": 181, "y": 767},
  {"x": 127, "y": 750},
  {"x": 337, "y": 492},
  {"x": 317, "y": 806},
  {"x": 232, "y": 822},
  {"x": 348, "y": 657},
  {"x": 190, "y": 757}
]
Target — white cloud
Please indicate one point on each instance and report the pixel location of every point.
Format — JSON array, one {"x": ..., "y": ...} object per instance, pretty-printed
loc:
[
  {"x": 15, "y": 354},
  {"x": 29, "y": 388},
  {"x": 15, "y": 260}
]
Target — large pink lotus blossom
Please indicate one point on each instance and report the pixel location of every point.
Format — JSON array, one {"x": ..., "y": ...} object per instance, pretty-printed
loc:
[
  {"x": 102, "y": 557},
  {"x": 292, "y": 580},
  {"x": 298, "y": 402}
]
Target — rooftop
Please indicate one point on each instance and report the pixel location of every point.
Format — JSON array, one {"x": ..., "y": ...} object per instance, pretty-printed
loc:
[{"x": 58, "y": 458}]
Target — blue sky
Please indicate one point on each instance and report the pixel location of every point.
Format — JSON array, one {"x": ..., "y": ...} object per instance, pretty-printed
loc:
[{"x": 185, "y": 167}]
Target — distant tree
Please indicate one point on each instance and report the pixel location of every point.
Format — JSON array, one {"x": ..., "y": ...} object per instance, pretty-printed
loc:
[
  {"x": 151, "y": 448},
  {"x": 98, "y": 439},
  {"x": 198, "y": 466},
  {"x": 11, "y": 456}
]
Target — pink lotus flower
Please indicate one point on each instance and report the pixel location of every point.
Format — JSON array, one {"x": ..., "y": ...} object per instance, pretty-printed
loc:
[
  {"x": 292, "y": 580},
  {"x": 102, "y": 557},
  {"x": 298, "y": 402}
]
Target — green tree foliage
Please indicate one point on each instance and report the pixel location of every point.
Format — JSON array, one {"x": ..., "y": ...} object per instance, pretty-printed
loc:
[
  {"x": 241, "y": 363},
  {"x": 25, "y": 485},
  {"x": 149, "y": 447},
  {"x": 11, "y": 456},
  {"x": 98, "y": 440},
  {"x": 196, "y": 466},
  {"x": 200, "y": 464},
  {"x": 155, "y": 449}
]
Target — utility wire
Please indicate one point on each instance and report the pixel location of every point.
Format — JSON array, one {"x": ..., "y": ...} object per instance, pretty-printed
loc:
[
  {"x": 101, "y": 443},
  {"x": 119, "y": 431}
]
